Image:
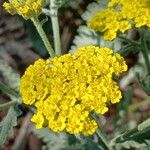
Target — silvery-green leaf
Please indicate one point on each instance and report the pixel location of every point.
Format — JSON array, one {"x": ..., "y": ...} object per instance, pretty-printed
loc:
[
  {"x": 11, "y": 76},
  {"x": 88, "y": 36},
  {"x": 7, "y": 124}
]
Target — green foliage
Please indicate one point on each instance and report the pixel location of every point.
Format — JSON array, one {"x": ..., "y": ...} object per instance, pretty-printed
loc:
[
  {"x": 67, "y": 141},
  {"x": 7, "y": 124},
  {"x": 11, "y": 78},
  {"x": 145, "y": 83},
  {"x": 87, "y": 36},
  {"x": 136, "y": 138},
  {"x": 51, "y": 139},
  {"x": 144, "y": 125},
  {"x": 130, "y": 145}
]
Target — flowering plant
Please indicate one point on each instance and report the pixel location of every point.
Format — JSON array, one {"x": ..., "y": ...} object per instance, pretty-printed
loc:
[{"x": 69, "y": 93}]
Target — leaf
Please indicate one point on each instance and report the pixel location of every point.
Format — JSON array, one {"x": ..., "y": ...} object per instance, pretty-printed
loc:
[
  {"x": 136, "y": 138},
  {"x": 130, "y": 145},
  {"x": 8, "y": 91},
  {"x": 11, "y": 76},
  {"x": 144, "y": 125},
  {"x": 66, "y": 141},
  {"x": 88, "y": 36},
  {"x": 145, "y": 83},
  {"x": 12, "y": 79},
  {"x": 51, "y": 139},
  {"x": 7, "y": 124}
]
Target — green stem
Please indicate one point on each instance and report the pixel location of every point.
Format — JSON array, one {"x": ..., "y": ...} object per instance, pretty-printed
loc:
[
  {"x": 7, "y": 105},
  {"x": 100, "y": 135},
  {"x": 102, "y": 139},
  {"x": 144, "y": 50},
  {"x": 41, "y": 32},
  {"x": 55, "y": 26},
  {"x": 130, "y": 41},
  {"x": 7, "y": 90}
]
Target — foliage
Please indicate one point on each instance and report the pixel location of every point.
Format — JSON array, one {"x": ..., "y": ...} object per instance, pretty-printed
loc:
[
  {"x": 87, "y": 36},
  {"x": 7, "y": 124},
  {"x": 51, "y": 139},
  {"x": 10, "y": 120},
  {"x": 135, "y": 138},
  {"x": 8, "y": 72},
  {"x": 66, "y": 141}
]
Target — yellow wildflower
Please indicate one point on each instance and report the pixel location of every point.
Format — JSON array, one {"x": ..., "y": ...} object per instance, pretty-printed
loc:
[
  {"x": 27, "y": 9},
  {"x": 120, "y": 16},
  {"x": 66, "y": 89}
]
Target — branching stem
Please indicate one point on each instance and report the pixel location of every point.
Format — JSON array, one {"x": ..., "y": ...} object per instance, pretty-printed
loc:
[
  {"x": 7, "y": 105},
  {"x": 41, "y": 32}
]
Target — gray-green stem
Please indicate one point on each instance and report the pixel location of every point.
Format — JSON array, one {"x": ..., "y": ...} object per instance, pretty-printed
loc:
[
  {"x": 100, "y": 135},
  {"x": 130, "y": 41},
  {"x": 7, "y": 105},
  {"x": 7, "y": 90},
  {"x": 55, "y": 26},
  {"x": 42, "y": 34},
  {"x": 145, "y": 53},
  {"x": 102, "y": 140}
]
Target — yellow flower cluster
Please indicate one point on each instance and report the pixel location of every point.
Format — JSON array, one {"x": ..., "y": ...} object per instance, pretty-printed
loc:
[
  {"x": 120, "y": 16},
  {"x": 66, "y": 89},
  {"x": 25, "y": 8}
]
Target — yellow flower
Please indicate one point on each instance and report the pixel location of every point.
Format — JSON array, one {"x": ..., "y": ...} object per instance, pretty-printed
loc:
[
  {"x": 66, "y": 89},
  {"x": 27, "y": 9},
  {"x": 120, "y": 16}
]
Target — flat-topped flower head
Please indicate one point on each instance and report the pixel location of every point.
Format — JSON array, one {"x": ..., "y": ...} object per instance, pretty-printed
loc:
[
  {"x": 66, "y": 89},
  {"x": 25, "y": 8},
  {"x": 120, "y": 16}
]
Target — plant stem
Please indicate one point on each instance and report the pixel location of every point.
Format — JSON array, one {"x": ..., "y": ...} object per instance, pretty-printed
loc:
[
  {"x": 103, "y": 140},
  {"x": 7, "y": 90},
  {"x": 55, "y": 26},
  {"x": 144, "y": 50},
  {"x": 7, "y": 105},
  {"x": 129, "y": 41},
  {"x": 56, "y": 35},
  {"x": 41, "y": 32}
]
